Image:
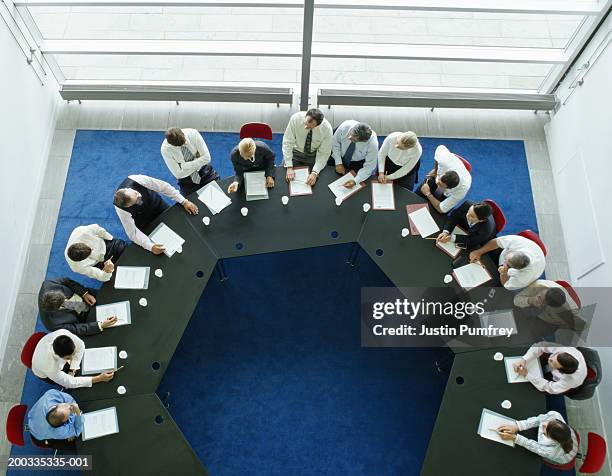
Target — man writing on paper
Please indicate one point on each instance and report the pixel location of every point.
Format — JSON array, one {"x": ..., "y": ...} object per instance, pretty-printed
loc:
[
  {"x": 90, "y": 251},
  {"x": 476, "y": 219},
  {"x": 186, "y": 155},
  {"x": 399, "y": 159},
  {"x": 566, "y": 365},
  {"x": 138, "y": 203},
  {"x": 448, "y": 182},
  {"x": 65, "y": 304},
  {"x": 57, "y": 350},
  {"x": 354, "y": 148},
  {"x": 55, "y": 420},
  {"x": 307, "y": 141},
  {"x": 250, "y": 156},
  {"x": 521, "y": 261}
]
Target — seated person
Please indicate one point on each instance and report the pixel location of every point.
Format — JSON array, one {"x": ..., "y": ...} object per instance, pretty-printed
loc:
[
  {"x": 476, "y": 219},
  {"x": 249, "y": 156},
  {"x": 90, "y": 251},
  {"x": 567, "y": 367},
  {"x": 57, "y": 350},
  {"x": 307, "y": 141},
  {"x": 55, "y": 420},
  {"x": 399, "y": 159},
  {"x": 521, "y": 261},
  {"x": 138, "y": 202},
  {"x": 354, "y": 148},
  {"x": 65, "y": 304},
  {"x": 557, "y": 442},
  {"x": 186, "y": 156},
  {"x": 448, "y": 182}
]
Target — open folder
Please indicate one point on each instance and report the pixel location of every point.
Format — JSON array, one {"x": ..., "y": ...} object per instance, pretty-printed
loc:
[
  {"x": 471, "y": 275},
  {"x": 490, "y": 422},
  {"x": 99, "y": 359},
  {"x": 449, "y": 247},
  {"x": 132, "y": 277},
  {"x": 164, "y": 235},
  {"x": 100, "y": 423},
  {"x": 424, "y": 222},
  {"x": 213, "y": 197},
  {"x": 533, "y": 368},
  {"x": 298, "y": 185},
  {"x": 340, "y": 191},
  {"x": 255, "y": 185},
  {"x": 119, "y": 309},
  {"x": 383, "y": 197}
]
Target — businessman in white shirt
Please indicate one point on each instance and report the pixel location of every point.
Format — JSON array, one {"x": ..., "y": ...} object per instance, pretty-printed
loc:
[
  {"x": 91, "y": 250},
  {"x": 58, "y": 349},
  {"x": 138, "y": 202},
  {"x": 307, "y": 142},
  {"x": 399, "y": 159},
  {"x": 186, "y": 155},
  {"x": 355, "y": 149}
]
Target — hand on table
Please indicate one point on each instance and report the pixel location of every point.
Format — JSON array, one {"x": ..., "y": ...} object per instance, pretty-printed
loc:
[
  {"x": 89, "y": 299},
  {"x": 443, "y": 237},
  {"x": 109, "y": 267},
  {"x": 190, "y": 207},
  {"x": 382, "y": 177},
  {"x": 269, "y": 182},
  {"x": 103, "y": 377},
  {"x": 290, "y": 174},
  {"x": 340, "y": 169},
  {"x": 158, "y": 249},
  {"x": 425, "y": 190},
  {"x": 233, "y": 187},
  {"x": 312, "y": 179},
  {"x": 108, "y": 322}
]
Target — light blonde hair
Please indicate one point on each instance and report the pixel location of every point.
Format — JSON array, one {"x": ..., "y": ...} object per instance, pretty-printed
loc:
[
  {"x": 408, "y": 139},
  {"x": 246, "y": 147}
]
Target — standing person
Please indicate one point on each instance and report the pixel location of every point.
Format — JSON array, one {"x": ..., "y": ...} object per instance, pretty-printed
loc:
[
  {"x": 354, "y": 148},
  {"x": 399, "y": 159}
]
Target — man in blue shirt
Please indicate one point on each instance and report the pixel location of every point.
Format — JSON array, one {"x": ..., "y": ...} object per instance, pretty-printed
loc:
[
  {"x": 354, "y": 149},
  {"x": 55, "y": 420}
]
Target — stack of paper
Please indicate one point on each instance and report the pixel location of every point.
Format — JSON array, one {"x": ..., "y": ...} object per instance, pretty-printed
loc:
[
  {"x": 213, "y": 197},
  {"x": 424, "y": 222},
  {"x": 119, "y": 309},
  {"x": 449, "y": 247},
  {"x": 490, "y": 422},
  {"x": 499, "y": 320},
  {"x": 471, "y": 275},
  {"x": 132, "y": 277},
  {"x": 255, "y": 186},
  {"x": 533, "y": 368},
  {"x": 383, "y": 197},
  {"x": 100, "y": 423},
  {"x": 99, "y": 359},
  {"x": 298, "y": 185},
  {"x": 164, "y": 235}
]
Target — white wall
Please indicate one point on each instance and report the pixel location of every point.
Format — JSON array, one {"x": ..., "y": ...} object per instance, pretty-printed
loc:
[{"x": 27, "y": 122}]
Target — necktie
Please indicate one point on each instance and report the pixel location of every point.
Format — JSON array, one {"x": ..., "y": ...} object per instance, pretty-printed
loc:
[
  {"x": 79, "y": 307},
  {"x": 348, "y": 155},
  {"x": 308, "y": 143},
  {"x": 188, "y": 157}
]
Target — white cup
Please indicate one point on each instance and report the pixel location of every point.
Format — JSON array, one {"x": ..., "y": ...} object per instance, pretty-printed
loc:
[
  {"x": 285, "y": 199},
  {"x": 159, "y": 273},
  {"x": 448, "y": 278},
  {"x": 498, "y": 356},
  {"x": 121, "y": 390},
  {"x": 506, "y": 404},
  {"x": 206, "y": 221},
  {"x": 122, "y": 354},
  {"x": 405, "y": 232},
  {"x": 244, "y": 211},
  {"x": 366, "y": 207},
  {"x": 338, "y": 202},
  {"x": 143, "y": 302}
]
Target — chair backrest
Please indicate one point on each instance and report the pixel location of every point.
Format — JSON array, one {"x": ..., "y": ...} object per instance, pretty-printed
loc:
[
  {"x": 468, "y": 166},
  {"x": 28, "y": 349},
  {"x": 533, "y": 236},
  {"x": 14, "y": 424},
  {"x": 593, "y": 378},
  {"x": 498, "y": 215},
  {"x": 596, "y": 454},
  {"x": 566, "y": 466},
  {"x": 256, "y": 130},
  {"x": 571, "y": 291}
]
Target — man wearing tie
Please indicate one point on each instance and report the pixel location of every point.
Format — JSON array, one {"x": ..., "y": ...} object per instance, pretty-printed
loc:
[{"x": 354, "y": 148}]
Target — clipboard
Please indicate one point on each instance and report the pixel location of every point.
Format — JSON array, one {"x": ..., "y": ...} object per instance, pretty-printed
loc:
[
  {"x": 409, "y": 210},
  {"x": 373, "y": 184}
]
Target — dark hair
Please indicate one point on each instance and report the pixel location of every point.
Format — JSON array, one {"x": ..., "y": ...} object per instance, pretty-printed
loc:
[
  {"x": 518, "y": 260},
  {"x": 482, "y": 210},
  {"x": 361, "y": 131},
  {"x": 52, "y": 301},
  {"x": 63, "y": 346},
  {"x": 555, "y": 297},
  {"x": 78, "y": 251},
  {"x": 561, "y": 433},
  {"x": 121, "y": 198},
  {"x": 175, "y": 137},
  {"x": 569, "y": 363},
  {"x": 316, "y": 114},
  {"x": 54, "y": 419},
  {"x": 450, "y": 179}
]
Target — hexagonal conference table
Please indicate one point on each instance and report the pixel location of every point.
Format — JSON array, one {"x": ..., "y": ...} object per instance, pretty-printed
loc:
[{"x": 150, "y": 443}]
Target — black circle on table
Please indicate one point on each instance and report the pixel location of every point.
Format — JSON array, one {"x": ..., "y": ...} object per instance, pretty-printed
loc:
[
  {"x": 156, "y": 365},
  {"x": 159, "y": 419},
  {"x": 379, "y": 252},
  {"x": 460, "y": 380}
]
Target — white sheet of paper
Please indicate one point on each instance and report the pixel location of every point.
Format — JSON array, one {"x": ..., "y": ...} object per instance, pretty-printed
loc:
[
  {"x": 424, "y": 222},
  {"x": 451, "y": 247},
  {"x": 120, "y": 309},
  {"x": 255, "y": 185},
  {"x": 471, "y": 275},
  {"x": 164, "y": 235},
  {"x": 98, "y": 359},
  {"x": 132, "y": 277},
  {"x": 382, "y": 196},
  {"x": 533, "y": 367},
  {"x": 340, "y": 191},
  {"x": 499, "y": 319},
  {"x": 213, "y": 197},
  {"x": 490, "y": 421},
  {"x": 100, "y": 423},
  {"x": 298, "y": 184}
]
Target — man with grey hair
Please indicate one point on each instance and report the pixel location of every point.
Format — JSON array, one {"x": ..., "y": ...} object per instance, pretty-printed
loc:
[
  {"x": 399, "y": 159},
  {"x": 354, "y": 148},
  {"x": 521, "y": 261}
]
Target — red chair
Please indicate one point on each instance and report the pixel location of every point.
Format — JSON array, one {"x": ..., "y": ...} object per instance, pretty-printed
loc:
[
  {"x": 571, "y": 291},
  {"x": 14, "y": 424},
  {"x": 566, "y": 466},
  {"x": 533, "y": 236},
  {"x": 256, "y": 130},
  {"x": 498, "y": 215},
  {"x": 595, "y": 456},
  {"x": 28, "y": 349},
  {"x": 468, "y": 166}
]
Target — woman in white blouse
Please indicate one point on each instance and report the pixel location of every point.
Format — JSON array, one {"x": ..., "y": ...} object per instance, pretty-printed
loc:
[{"x": 403, "y": 151}]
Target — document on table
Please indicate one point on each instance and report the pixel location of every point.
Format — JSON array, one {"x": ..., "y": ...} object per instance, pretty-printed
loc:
[
  {"x": 471, "y": 276},
  {"x": 132, "y": 277},
  {"x": 213, "y": 197},
  {"x": 298, "y": 185},
  {"x": 499, "y": 320},
  {"x": 100, "y": 423},
  {"x": 255, "y": 186},
  {"x": 164, "y": 235},
  {"x": 449, "y": 247},
  {"x": 489, "y": 422},
  {"x": 120, "y": 309},
  {"x": 533, "y": 367},
  {"x": 383, "y": 196},
  {"x": 340, "y": 191},
  {"x": 99, "y": 359},
  {"x": 424, "y": 222},
  {"x": 409, "y": 210}
]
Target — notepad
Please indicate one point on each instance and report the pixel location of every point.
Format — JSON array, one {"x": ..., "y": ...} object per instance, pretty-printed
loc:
[
  {"x": 120, "y": 309},
  {"x": 533, "y": 368},
  {"x": 132, "y": 277},
  {"x": 449, "y": 247},
  {"x": 255, "y": 185},
  {"x": 471, "y": 275},
  {"x": 489, "y": 422},
  {"x": 298, "y": 185},
  {"x": 383, "y": 196},
  {"x": 100, "y": 423},
  {"x": 164, "y": 235},
  {"x": 424, "y": 222},
  {"x": 340, "y": 191},
  {"x": 213, "y": 197},
  {"x": 499, "y": 319},
  {"x": 99, "y": 359}
]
